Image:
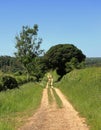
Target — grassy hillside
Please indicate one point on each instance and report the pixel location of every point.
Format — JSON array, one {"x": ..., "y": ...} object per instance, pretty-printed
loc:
[
  {"x": 83, "y": 89},
  {"x": 17, "y": 104}
]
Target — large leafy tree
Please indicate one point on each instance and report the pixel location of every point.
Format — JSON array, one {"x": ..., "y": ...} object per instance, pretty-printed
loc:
[
  {"x": 63, "y": 58},
  {"x": 28, "y": 46}
]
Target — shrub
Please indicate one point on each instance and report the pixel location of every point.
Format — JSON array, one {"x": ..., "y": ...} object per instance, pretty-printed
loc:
[
  {"x": 18, "y": 73},
  {"x": 9, "y": 82},
  {"x": 1, "y": 87}
]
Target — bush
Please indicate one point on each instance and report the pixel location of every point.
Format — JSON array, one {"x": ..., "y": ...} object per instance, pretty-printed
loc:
[
  {"x": 18, "y": 73},
  {"x": 9, "y": 82},
  {"x": 1, "y": 87}
]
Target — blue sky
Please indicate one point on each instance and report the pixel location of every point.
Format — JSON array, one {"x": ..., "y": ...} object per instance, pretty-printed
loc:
[{"x": 76, "y": 22}]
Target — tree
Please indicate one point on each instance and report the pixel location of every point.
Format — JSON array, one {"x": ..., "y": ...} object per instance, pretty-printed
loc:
[
  {"x": 40, "y": 68},
  {"x": 10, "y": 64},
  {"x": 28, "y": 46},
  {"x": 64, "y": 57}
]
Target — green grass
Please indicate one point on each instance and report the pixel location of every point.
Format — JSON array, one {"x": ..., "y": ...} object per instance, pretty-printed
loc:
[
  {"x": 16, "y": 104},
  {"x": 44, "y": 81},
  {"x": 83, "y": 89},
  {"x": 50, "y": 98},
  {"x": 57, "y": 98}
]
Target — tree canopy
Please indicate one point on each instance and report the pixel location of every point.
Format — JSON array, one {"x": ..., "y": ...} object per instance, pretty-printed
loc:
[
  {"x": 58, "y": 57},
  {"x": 28, "y": 46}
]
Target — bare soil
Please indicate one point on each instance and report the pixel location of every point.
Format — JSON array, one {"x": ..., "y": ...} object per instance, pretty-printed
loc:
[{"x": 50, "y": 117}]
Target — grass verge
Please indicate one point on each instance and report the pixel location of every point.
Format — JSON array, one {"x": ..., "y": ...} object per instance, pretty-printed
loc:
[
  {"x": 17, "y": 104},
  {"x": 83, "y": 89},
  {"x": 50, "y": 98},
  {"x": 57, "y": 98}
]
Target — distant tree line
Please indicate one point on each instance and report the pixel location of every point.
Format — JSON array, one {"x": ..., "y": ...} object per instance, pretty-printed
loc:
[
  {"x": 93, "y": 61},
  {"x": 10, "y": 64}
]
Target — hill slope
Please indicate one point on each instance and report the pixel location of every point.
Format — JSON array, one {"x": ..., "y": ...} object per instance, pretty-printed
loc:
[{"x": 83, "y": 89}]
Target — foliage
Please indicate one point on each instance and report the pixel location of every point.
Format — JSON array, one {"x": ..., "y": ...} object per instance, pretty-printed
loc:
[
  {"x": 58, "y": 57},
  {"x": 10, "y": 64},
  {"x": 39, "y": 68},
  {"x": 44, "y": 81},
  {"x": 9, "y": 82},
  {"x": 83, "y": 89},
  {"x": 28, "y": 46},
  {"x": 93, "y": 61},
  {"x": 1, "y": 86}
]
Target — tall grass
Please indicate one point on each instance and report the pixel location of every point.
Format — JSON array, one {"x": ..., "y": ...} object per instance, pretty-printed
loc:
[
  {"x": 18, "y": 103},
  {"x": 83, "y": 89}
]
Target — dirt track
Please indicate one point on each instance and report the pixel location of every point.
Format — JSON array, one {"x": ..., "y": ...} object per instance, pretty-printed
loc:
[{"x": 50, "y": 117}]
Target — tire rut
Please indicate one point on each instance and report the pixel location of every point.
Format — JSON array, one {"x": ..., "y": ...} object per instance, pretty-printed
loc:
[{"x": 72, "y": 117}]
